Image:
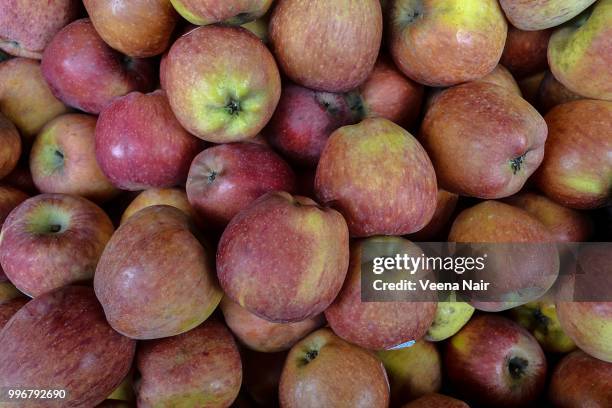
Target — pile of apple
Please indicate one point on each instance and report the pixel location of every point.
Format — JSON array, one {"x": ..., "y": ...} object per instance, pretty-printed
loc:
[{"x": 189, "y": 190}]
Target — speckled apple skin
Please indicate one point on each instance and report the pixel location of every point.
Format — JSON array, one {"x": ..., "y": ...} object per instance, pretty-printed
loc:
[
  {"x": 541, "y": 14},
  {"x": 235, "y": 12}
]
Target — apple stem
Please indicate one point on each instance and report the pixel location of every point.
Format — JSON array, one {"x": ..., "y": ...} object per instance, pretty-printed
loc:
[
  {"x": 517, "y": 163},
  {"x": 517, "y": 367},
  {"x": 233, "y": 107}
]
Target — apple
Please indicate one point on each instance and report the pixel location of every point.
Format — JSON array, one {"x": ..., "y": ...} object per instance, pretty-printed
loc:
[
  {"x": 589, "y": 325},
  {"x": 292, "y": 252},
  {"x": 580, "y": 380},
  {"x": 10, "y": 146},
  {"x": 262, "y": 372},
  {"x": 26, "y": 27},
  {"x": 521, "y": 263},
  {"x": 551, "y": 93},
  {"x": 60, "y": 341},
  {"x": 326, "y": 46},
  {"x": 8, "y": 291},
  {"x": 380, "y": 325},
  {"x": 379, "y": 177},
  {"x": 63, "y": 159},
  {"x": 264, "y": 336},
  {"x": 413, "y": 371},
  {"x": 223, "y": 180},
  {"x": 303, "y": 121},
  {"x": 323, "y": 370},
  {"x": 85, "y": 73},
  {"x": 444, "y": 43},
  {"x": 9, "y": 199},
  {"x": 494, "y": 361},
  {"x": 578, "y": 53},
  {"x": 233, "y": 12},
  {"x": 9, "y": 308},
  {"x": 174, "y": 197},
  {"x": 502, "y": 77},
  {"x": 155, "y": 278},
  {"x": 140, "y": 144},
  {"x": 451, "y": 316},
  {"x": 578, "y": 161},
  {"x": 525, "y": 51},
  {"x": 21, "y": 178},
  {"x": 25, "y": 97},
  {"x": 125, "y": 390},
  {"x": 205, "y": 368},
  {"x": 138, "y": 28},
  {"x": 445, "y": 207},
  {"x": 502, "y": 134},
  {"x": 527, "y": 15},
  {"x": 530, "y": 86},
  {"x": 259, "y": 27},
  {"x": 53, "y": 240},
  {"x": 435, "y": 400},
  {"x": 222, "y": 83}
]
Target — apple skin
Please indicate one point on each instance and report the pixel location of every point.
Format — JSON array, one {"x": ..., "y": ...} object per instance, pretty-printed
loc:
[
  {"x": 223, "y": 180},
  {"x": 293, "y": 253},
  {"x": 205, "y": 366},
  {"x": 115, "y": 23},
  {"x": 326, "y": 46},
  {"x": 303, "y": 121},
  {"x": 9, "y": 199},
  {"x": 85, "y": 73},
  {"x": 444, "y": 43},
  {"x": 378, "y": 325},
  {"x": 436, "y": 401},
  {"x": 63, "y": 159},
  {"x": 323, "y": 370},
  {"x": 53, "y": 240},
  {"x": 155, "y": 279},
  {"x": 525, "y": 51},
  {"x": 580, "y": 380},
  {"x": 232, "y": 12},
  {"x": 262, "y": 372},
  {"x": 372, "y": 173},
  {"x": 9, "y": 308},
  {"x": 140, "y": 144},
  {"x": 26, "y": 27},
  {"x": 450, "y": 317},
  {"x": 579, "y": 53},
  {"x": 495, "y": 362},
  {"x": 551, "y": 93},
  {"x": 576, "y": 168},
  {"x": 261, "y": 335},
  {"x": 222, "y": 83},
  {"x": 25, "y": 98},
  {"x": 529, "y": 88},
  {"x": 589, "y": 325},
  {"x": 529, "y": 15},
  {"x": 174, "y": 197},
  {"x": 82, "y": 354},
  {"x": 10, "y": 146},
  {"x": 445, "y": 207},
  {"x": 502, "y": 77},
  {"x": 413, "y": 371},
  {"x": 498, "y": 129}
]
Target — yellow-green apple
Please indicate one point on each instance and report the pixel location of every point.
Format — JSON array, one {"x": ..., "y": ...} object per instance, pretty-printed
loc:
[
  {"x": 10, "y": 307},
  {"x": 451, "y": 316},
  {"x": 140, "y": 144},
  {"x": 63, "y": 159},
  {"x": 502, "y": 77},
  {"x": 379, "y": 177},
  {"x": 223, "y": 180},
  {"x": 264, "y": 336},
  {"x": 532, "y": 15},
  {"x": 589, "y": 325},
  {"x": 284, "y": 257},
  {"x": 445, "y": 207},
  {"x": 529, "y": 87},
  {"x": 10, "y": 146},
  {"x": 522, "y": 261},
  {"x": 26, "y": 27},
  {"x": 444, "y": 43},
  {"x": 85, "y": 73},
  {"x": 138, "y": 28},
  {"x": 262, "y": 372},
  {"x": 413, "y": 371},
  {"x": 525, "y": 51},
  {"x": 502, "y": 134},
  {"x": 577, "y": 168},
  {"x": 125, "y": 390},
  {"x": 222, "y": 82},
  {"x": 9, "y": 199},
  {"x": 435, "y": 400},
  {"x": 323, "y": 370},
  {"x": 232, "y": 12},
  {"x": 25, "y": 97},
  {"x": 53, "y": 240},
  {"x": 327, "y": 46},
  {"x": 8, "y": 291},
  {"x": 540, "y": 318},
  {"x": 61, "y": 341},
  {"x": 551, "y": 93},
  {"x": 580, "y": 380},
  {"x": 155, "y": 278},
  {"x": 174, "y": 197},
  {"x": 579, "y": 53},
  {"x": 495, "y": 362},
  {"x": 205, "y": 366},
  {"x": 380, "y": 325},
  {"x": 259, "y": 27}
]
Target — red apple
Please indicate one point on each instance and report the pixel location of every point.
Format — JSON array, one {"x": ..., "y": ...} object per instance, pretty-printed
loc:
[
  {"x": 292, "y": 252},
  {"x": 63, "y": 159},
  {"x": 436, "y": 401},
  {"x": 589, "y": 325},
  {"x": 525, "y": 51},
  {"x": 159, "y": 196},
  {"x": 9, "y": 199},
  {"x": 502, "y": 77},
  {"x": 140, "y": 144},
  {"x": 9, "y": 308},
  {"x": 53, "y": 240},
  {"x": 529, "y": 15},
  {"x": 445, "y": 207},
  {"x": 60, "y": 341},
  {"x": 551, "y": 93},
  {"x": 262, "y": 372},
  {"x": 529, "y": 88},
  {"x": 10, "y": 146},
  {"x": 21, "y": 178},
  {"x": 496, "y": 362},
  {"x": 327, "y": 46},
  {"x": 87, "y": 74},
  {"x": 223, "y": 180},
  {"x": 233, "y": 12}
]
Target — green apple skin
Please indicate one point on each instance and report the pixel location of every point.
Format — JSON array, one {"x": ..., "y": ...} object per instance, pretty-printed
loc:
[
  {"x": 233, "y": 12},
  {"x": 540, "y": 318},
  {"x": 579, "y": 54},
  {"x": 531, "y": 15},
  {"x": 450, "y": 318}
]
